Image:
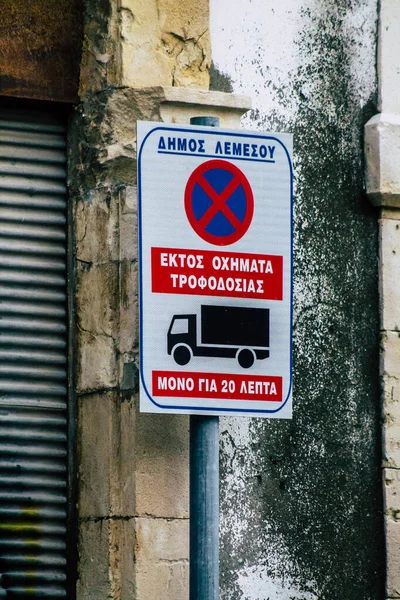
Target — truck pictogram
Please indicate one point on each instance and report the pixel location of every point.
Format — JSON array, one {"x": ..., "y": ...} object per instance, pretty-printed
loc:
[{"x": 225, "y": 331}]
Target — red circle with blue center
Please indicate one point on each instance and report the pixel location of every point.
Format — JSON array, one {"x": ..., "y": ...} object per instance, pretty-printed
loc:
[{"x": 219, "y": 202}]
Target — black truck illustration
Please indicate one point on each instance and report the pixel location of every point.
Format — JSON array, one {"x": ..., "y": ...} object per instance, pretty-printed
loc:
[{"x": 226, "y": 331}]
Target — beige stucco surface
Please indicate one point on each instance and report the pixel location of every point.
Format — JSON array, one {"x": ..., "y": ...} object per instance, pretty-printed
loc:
[{"x": 129, "y": 43}]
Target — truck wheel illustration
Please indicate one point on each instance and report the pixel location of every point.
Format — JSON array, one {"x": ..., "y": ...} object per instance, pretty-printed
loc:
[
  {"x": 182, "y": 355},
  {"x": 245, "y": 358}
]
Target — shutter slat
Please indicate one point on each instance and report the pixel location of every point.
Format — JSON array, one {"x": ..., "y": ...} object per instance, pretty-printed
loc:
[{"x": 33, "y": 356}]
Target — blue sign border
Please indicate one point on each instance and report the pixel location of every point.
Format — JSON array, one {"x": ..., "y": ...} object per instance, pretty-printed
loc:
[{"x": 211, "y": 132}]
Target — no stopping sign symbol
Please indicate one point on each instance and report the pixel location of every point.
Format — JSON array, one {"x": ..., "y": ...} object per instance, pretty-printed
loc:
[{"x": 219, "y": 202}]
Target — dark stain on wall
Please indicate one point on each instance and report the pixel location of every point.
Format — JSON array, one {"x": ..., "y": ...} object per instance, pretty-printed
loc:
[
  {"x": 219, "y": 81},
  {"x": 312, "y": 487}
]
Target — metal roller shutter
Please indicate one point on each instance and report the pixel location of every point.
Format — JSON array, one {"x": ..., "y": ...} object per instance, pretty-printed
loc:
[{"x": 33, "y": 356}]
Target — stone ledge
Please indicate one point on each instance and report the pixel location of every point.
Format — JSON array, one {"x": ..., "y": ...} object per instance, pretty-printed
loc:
[
  {"x": 178, "y": 105},
  {"x": 382, "y": 155},
  {"x": 206, "y": 98}
]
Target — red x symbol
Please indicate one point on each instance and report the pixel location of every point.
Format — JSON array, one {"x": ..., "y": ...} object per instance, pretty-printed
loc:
[{"x": 219, "y": 202}]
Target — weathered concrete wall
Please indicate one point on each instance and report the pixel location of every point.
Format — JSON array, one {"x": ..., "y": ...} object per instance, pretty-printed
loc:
[
  {"x": 131, "y": 43},
  {"x": 165, "y": 42},
  {"x": 301, "y": 500},
  {"x": 132, "y": 468}
]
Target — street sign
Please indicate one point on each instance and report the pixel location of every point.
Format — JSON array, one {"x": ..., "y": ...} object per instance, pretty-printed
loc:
[{"x": 215, "y": 271}]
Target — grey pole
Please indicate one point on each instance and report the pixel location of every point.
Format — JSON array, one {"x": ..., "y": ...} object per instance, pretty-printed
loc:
[{"x": 204, "y": 490}]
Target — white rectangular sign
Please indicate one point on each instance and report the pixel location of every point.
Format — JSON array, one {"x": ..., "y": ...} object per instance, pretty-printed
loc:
[{"x": 215, "y": 271}]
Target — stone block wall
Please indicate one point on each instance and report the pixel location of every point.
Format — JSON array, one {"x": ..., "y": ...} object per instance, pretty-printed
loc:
[{"x": 132, "y": 468}]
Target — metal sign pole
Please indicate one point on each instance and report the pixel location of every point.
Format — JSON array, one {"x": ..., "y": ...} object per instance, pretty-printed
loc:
[{"x": 204, "y": 490}]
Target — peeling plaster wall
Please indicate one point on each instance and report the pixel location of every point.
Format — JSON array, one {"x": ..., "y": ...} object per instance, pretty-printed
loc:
[
  {"x": 133, "y": 500},
  {"x": 133, "y": 484},
  {"x": 131, "y": 43},
  {"x": 301, "y": 499},
  {"x": 172, "y": 37}
]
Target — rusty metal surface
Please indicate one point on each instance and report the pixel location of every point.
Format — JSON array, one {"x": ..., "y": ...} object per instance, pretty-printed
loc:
[
  {"x": 40, "y": 47},
  {"x": 33, "y": 357}
]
